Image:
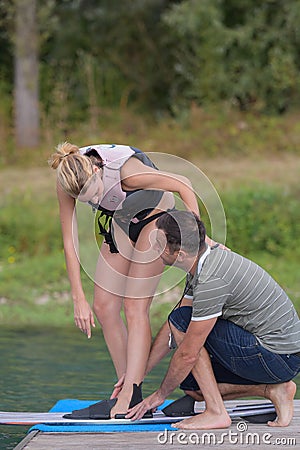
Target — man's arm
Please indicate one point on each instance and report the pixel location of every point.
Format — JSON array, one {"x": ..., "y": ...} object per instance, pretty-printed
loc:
[
  {"x": 183, "y": 361},
  {"x": 187, "y": 354},
  {"x": 160, "y": 347}
]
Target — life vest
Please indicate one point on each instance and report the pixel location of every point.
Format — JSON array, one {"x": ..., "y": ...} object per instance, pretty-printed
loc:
[
  {"x": 113, "y": 156},
  {"x": 114, "y": 198}
]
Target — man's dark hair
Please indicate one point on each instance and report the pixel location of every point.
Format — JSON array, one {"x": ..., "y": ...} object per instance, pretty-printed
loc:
[
  {"x": 95, "y": 158},
  {"x": 183, "y": 229}
]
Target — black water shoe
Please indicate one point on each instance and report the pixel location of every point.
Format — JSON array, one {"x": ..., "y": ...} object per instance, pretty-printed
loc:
[
  {"x": 101, "y": 410},
  {"x": 184, "y": 406}
]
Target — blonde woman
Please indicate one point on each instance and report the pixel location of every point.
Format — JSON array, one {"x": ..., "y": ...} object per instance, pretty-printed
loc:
[{"x": 123, "y": 183}]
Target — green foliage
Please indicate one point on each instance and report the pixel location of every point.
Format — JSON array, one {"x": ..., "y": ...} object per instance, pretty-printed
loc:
[
  {"x": 262, "y": 219},
  {"x": 259, "y": 218},
  {"x": 262, "y": 63},
  {"x": 5, "y": 121},
  {"x": 198, "y": 37},
  {"x": 28, "y": 226},
  {"x": 263, "y": 224},
  {"x": 103, "y": 54},
  {"x": 6, "y": 48},
  {"x": 233, "y": 51},
  {"x": 159, "y": 56}
]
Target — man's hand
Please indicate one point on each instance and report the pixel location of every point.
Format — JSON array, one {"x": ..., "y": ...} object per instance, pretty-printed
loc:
[
  {"x": 212, "y": 243},
  {"x": 84, "y": 318},
  {"x": 150, "y": 403}
]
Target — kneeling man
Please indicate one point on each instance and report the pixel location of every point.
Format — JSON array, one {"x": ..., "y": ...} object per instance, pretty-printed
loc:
[{"x": 236, "y": 330}]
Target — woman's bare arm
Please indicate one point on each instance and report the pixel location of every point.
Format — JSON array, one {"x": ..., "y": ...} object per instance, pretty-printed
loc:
[
  {"x": 82, "y": 312},
  {"x": 136, "y": 175}
]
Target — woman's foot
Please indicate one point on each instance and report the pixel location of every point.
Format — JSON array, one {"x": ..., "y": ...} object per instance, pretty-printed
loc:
[
  {"x": 121, "y": 407},
  {"x": 127, "y": 398}
]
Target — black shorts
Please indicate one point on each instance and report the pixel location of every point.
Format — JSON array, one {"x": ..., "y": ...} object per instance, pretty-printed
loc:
[
  {"x": 134, "y": 231},
  {"x": 136, "y": 228}
]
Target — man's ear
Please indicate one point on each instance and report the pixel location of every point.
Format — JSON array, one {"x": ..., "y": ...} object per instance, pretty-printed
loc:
[
  {"x": 181, "y": 256},
  {"x": 95, "y": 168}
]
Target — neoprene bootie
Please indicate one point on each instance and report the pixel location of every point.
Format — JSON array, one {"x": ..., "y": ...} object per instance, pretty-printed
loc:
[
  {"x": 183, "y": 406},
  {"x": 101, "y": 410}
]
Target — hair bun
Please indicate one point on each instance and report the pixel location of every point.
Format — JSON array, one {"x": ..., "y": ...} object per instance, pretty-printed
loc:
[{"x": 62, "y": 150}]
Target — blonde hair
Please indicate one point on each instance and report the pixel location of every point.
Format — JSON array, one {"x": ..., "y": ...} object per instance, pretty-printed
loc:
[{"x": 73, "y": 169}]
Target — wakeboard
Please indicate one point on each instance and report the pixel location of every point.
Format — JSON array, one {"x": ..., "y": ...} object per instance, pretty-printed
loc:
[{"x": 255, "y": 413}]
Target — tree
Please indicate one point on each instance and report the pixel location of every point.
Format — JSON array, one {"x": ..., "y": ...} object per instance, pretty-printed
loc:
[
  {"x": 26, "y": 92},
  {"x": 243, "y": 52},
  {"x": 199, "y": 40}
]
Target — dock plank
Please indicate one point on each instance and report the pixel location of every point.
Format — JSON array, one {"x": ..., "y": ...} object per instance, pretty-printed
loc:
[{"x": 241, "y": 434}]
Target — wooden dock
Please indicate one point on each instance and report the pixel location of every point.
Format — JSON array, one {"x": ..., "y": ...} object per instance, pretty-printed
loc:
[{"x": 240, "y": 435}]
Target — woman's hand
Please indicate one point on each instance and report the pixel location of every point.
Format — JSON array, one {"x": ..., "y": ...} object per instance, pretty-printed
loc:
[
  {"x": 118, "y": 387},
  {"x": 84, "y": 317}
]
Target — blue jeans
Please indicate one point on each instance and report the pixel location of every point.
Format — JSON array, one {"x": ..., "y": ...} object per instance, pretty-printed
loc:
[{"x": 236, "y": 355}]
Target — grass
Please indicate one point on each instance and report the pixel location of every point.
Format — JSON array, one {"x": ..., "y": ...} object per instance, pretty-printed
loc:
[
  {"x": 37, "y": 293},
  {"x": 252, "y": 162},
  {"x": 33, "y": 282},
  {"x": 197, "y": 134}
]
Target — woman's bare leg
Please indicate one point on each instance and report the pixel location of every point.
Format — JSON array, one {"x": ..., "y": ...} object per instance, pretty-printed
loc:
[
  {"x": 143, "y": 276},
  {"x": 110, "y": 283}
]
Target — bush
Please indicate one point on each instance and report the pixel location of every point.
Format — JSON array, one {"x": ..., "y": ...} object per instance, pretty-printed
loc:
[
  {"x": 262, "y": 219},
  {"x": 28, "y": 227}
]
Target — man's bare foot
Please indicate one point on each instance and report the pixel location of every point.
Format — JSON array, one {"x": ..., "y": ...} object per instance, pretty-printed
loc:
[
  {"x": 205, "y": 421},
  {"x": 282, "y": 396}
]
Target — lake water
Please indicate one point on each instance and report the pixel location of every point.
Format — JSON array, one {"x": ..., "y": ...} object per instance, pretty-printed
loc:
[{"x": 41, "y": 366}]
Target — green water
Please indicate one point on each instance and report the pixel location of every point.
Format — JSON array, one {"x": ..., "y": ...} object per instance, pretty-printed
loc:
[{"x": 40, "y": 366}]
